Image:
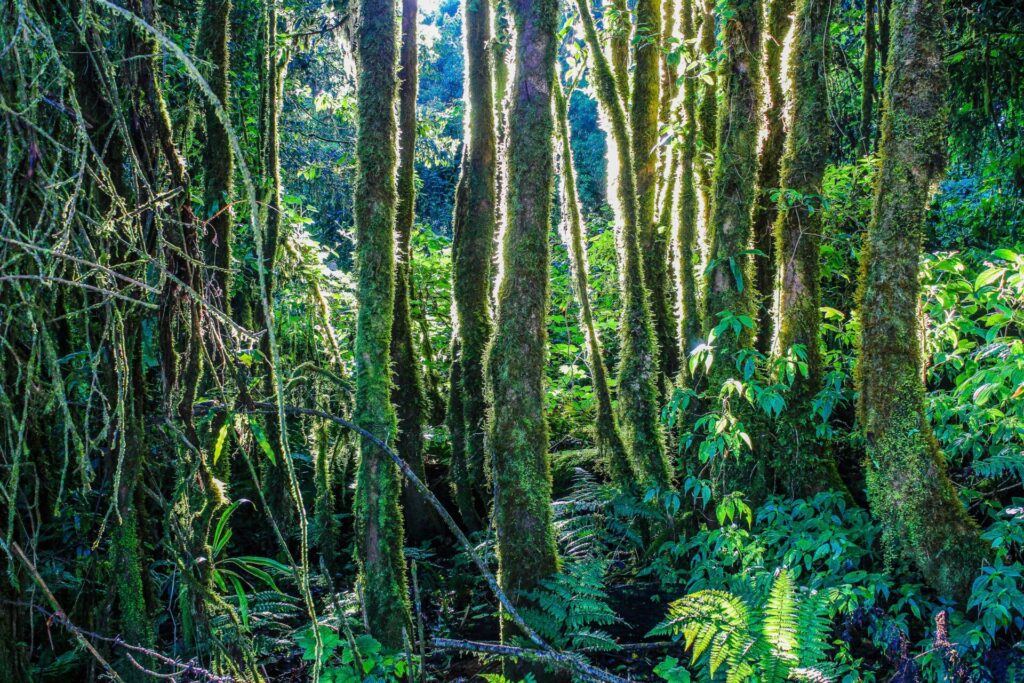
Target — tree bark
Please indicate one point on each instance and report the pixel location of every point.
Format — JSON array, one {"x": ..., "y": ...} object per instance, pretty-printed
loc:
[{"x": 910, "y": 492}]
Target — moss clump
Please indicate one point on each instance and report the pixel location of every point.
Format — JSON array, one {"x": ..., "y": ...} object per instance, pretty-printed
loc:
[
  {"x": 379, "y": 531},
  {"x": 909, "y": 490}
]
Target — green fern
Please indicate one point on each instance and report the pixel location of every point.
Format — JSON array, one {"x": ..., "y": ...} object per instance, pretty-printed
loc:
[{"x": 783, "y": 638}]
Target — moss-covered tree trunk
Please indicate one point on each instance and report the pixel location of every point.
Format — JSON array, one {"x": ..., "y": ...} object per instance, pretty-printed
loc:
[
  {"x": 611, "y": 448},
  {"x": 407, "y": 393},
  {"x": 730, "y": 269},
  {"x": 379, "y": 533},
  {"x": 638, "y": 365},
  {"x": 774, "y": 137},
  {"x": 644, "y": 114},
  {"x": 707, "y": 114},
  {"x": 686, "y": 224},
  {"x": 471, "y": 281},
  {"x": 217, "y": 155},
  {"x": 867, "y": 76},
  {"x": 515, "y": 362},
  {"x": 908, "y": 487},
  {"x": 809, "y": 467}
]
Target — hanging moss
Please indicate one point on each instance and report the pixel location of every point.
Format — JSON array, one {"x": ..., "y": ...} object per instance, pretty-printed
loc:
[
  {"x": 778, "y": 21},
  {"x": 686, "y": 225},
  {"x": 908, "y": 487},
  {"x": 407, "y": 393},
  {"x": 516, "y": 358},
  {"x": 638, "y": 403},
  {"x": 379, "y": 532},
  {"x": 471, "y": 274},
  {"x": 609, "y": 439}
]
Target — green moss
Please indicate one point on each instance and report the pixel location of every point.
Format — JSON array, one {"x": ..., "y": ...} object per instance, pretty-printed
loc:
[
  {"x": 379, "y": 530},
  {"x": 909, "y": 490},
  {"x": 136, "y": 624},
  {"x": 516, "y": 357},
  {"x": 638, "y": 402}
]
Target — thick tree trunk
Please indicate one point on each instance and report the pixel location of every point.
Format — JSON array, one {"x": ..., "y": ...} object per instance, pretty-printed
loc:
[
  {"x": 609, "y": 440},
  {"x": 407, "y": 391},
  {"x": 379, "y": 532},
  {"x": 472, "y": 272},
  {"x": 515, "y": 363},
  {"x": 910, "y": 492},
  {"x": 638, "y": 402}
]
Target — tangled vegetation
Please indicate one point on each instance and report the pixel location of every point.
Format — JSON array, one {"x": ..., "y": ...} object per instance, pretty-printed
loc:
[{"x": 512, "y": 340}]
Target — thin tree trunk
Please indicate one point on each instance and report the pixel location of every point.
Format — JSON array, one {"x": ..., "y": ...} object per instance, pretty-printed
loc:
[
  {"x": 686, "y": 235},
  {"x": 765, "y": 210},
  {"x": 379, "y": 532},
  {"x": 910, "y": 492},
  {"x": 867, "y": 95},
  {"x": 638, "y": 368},
  {"x": 609, "y": 440},
  {"x": 810, "y": 468},
  {"x": 515, "y": 363},
  {"x": 407, "y": 391},
  {"x": 644, "y": 114},
  {"x": 707, "y": 115},
  {"x": 471, "y": 281}
]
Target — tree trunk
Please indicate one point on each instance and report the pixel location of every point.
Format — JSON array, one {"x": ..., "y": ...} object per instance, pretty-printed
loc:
[
  {"x": 707, "y": 115},
  {"x": 867, "y": 93},
  {"x": 609, "y": 440},
  {"x": 765, "y": 210},
  {"x": 379, "y": 533},
  {"x": 804, "y": 466},
  {"x": 644, "y": 114},
  {"x": 515, "y": 364},
  {"x": 471, "y": 281},
  {"x": 407, "y": 391},
  {"x": 910, "y": 493},
  {"x": 686, "y": 235},
  {"x": 638, "y": 368}
]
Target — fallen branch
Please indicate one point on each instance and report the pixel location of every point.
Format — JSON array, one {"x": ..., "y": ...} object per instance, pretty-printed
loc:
[{"x": 545, "y": 651}]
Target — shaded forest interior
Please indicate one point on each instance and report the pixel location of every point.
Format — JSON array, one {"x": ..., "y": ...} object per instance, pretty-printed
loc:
[{"x": 511, "y": 340}]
